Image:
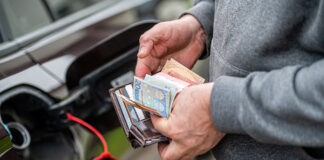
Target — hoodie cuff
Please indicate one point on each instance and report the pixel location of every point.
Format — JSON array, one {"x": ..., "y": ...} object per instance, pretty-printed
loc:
[
  {"x": 225, "y": 104},
  {"x": 203, "y": 11}
]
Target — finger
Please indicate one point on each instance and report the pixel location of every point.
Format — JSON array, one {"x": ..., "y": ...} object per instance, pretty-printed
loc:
[
  {"x": 145, "y": 48},
  {"x": 172, "y": 151},
  {"x": 142, "y": 69},
  {"x": 175, "y": 101},
  {"x": 161, "y": 147},
  {"x": 161, "y": 124}
]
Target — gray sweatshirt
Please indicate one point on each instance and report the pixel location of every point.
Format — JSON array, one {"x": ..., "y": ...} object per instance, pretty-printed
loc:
[{"x": 267, "y": 63}]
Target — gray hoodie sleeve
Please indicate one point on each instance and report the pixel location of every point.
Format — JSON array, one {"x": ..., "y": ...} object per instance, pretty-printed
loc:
[
  {"x": 284, "y": 106},
  {"x": 203, "y": 10}
]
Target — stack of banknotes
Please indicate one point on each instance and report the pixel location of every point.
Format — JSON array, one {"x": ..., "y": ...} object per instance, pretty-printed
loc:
[{"x": 156, "y": 93}]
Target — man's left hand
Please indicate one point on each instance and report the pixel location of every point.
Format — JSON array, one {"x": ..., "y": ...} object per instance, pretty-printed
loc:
[{"x": 189, "y": 126}]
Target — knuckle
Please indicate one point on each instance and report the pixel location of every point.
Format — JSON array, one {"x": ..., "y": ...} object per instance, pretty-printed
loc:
[{"x": 143, "y": 38}]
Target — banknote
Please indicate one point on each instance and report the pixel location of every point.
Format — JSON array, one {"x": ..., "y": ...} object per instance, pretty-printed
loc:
[
  {"x": 156, "y": 93},
  {"x": 177, "y": 70},
  {"x": 163, "y": 84},
  {"x": 180, "y": 84},
  {"x": 139, "y": 112},
  {"x": 152, "y": 96},
  {"x": 137, "y": 105}
]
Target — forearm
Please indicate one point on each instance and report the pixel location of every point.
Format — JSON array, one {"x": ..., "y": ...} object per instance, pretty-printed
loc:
[{"x": 283, "y": 106}]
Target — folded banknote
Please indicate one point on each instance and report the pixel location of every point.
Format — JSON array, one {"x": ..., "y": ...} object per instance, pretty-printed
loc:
[{"x": 156, "y": 93}]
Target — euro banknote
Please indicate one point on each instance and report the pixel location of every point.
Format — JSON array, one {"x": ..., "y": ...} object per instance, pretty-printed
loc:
[
  {"x": 157, "y": 92},
  {"x": 152, "y": 96},
  {"x": 163, "y": 84},
  {"x": 177, "y": 70}
]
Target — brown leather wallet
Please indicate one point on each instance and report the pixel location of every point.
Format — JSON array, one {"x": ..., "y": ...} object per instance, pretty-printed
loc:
[{"x": 138, "y": 130}]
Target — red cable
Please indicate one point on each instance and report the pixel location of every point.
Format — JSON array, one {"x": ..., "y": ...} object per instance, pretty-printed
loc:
[{"x": 105, "y": 154}]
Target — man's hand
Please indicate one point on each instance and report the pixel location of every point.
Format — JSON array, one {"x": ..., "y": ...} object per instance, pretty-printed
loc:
[
  {"x": 189, "y": 126},
  {"x": 182, "y": 39}
]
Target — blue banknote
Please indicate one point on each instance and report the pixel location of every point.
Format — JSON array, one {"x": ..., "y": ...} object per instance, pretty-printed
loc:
[
  {"x": 163, "y": 84},
  {"x": 152, "y": 96}
]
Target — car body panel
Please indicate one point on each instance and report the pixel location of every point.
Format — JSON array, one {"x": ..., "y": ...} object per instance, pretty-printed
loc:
[
  {"x": 33, "y": 76},
  {"x": 15, "y": 63},
  {"x": 42, "y": 51},
  {"x": 31, "y": 37},
  {"x": 46, "y": 61}
]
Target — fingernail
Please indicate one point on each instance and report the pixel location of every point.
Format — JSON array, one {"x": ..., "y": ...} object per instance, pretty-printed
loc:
[{"x": 142, "y": 51}]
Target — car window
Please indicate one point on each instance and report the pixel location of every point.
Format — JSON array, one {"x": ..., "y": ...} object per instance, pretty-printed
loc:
[
  {"x": 62, "y": 8},
  {"x": 25, "y": 16}
]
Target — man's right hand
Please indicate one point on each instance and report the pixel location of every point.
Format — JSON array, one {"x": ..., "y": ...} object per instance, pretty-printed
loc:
[{"x": 182, "y": 39}]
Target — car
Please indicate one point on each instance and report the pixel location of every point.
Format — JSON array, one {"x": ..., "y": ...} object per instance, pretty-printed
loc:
[{"x": 57, "y": 57}]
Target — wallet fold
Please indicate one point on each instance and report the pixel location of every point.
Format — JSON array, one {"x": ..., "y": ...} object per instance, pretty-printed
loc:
[{"x": 138, "y": 130}]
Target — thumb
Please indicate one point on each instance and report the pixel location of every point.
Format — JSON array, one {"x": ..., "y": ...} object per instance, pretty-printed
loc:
[
  {"x": 142, "y": 69},
  {"x": 161, "y": 124},
  {"x": 145, "y": 48}
]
